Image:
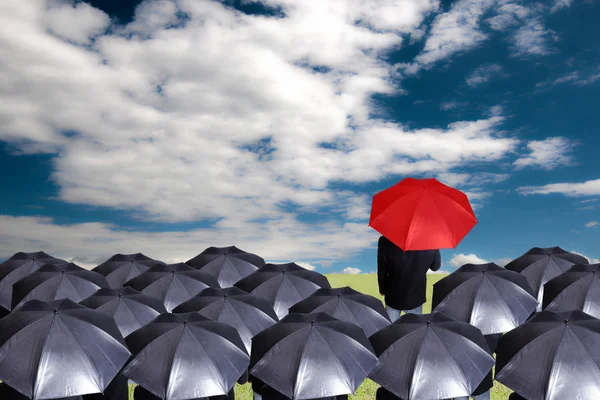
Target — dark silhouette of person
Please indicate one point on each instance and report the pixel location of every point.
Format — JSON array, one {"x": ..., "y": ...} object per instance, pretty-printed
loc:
[
  {"x": 516, "y": 396},
  {"x": 402, "y": 276},
  {"x": 268, "y": 393}
]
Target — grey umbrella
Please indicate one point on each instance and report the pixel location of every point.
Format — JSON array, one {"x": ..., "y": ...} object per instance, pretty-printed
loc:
[
  {"x": 576, "y": 289},
  {"x": 539, "y": 265},
  {"x": 486, "y": 296},
  {"x": 249, "y": 314},
  {"x": 58, "y": 349},
  {"x": 227, "y": 264},
  {"x": 18, "y": 266},
  {"x": 172, "y": 284},
  {"x": 130, "y": 308},
  {"x": 283, "y": 285},
  {"x": 122, "y": 267},
  {"x": 54, "y": 282}
]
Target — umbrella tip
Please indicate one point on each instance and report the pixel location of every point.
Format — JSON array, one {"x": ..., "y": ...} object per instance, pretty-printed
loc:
[{"x": 55, "y": 311}]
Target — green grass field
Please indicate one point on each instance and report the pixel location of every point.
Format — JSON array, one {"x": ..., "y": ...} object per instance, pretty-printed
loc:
[{"x": 368, "y": 284}]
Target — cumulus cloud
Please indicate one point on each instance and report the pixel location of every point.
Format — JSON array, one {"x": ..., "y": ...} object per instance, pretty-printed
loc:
[
  {"x": 571, "y": 189},
  {"x": 77, "y": 23},
  {"x": 461, "y": 259},
  {"x": 560, "y": 4},
  {"x": 502, "y": 261},
  {"x": 547, "y": 154},
  {"x": 351, "y": 270},
  {"x": 484, "y": 74},
  {"x": 307, "y": 266},
  {"x": 592, "y": 224},
  {"x": 532, "y": 39}
]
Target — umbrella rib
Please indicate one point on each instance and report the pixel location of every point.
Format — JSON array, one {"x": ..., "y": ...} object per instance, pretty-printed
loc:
[
  {"x": 453, "y": 359},
  {"x": 39, "y": 356},
  {"x": 172, "y": 362},
  {"x": 347, "y": 372},
  {"x": 295, "y": 382},
  {"x": 414, "y": 364}
]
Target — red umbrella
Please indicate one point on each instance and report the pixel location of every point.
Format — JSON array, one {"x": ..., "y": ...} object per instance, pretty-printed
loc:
[{"x": 422, "y": 214}]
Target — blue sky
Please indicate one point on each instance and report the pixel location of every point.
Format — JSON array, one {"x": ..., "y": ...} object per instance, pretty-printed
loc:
[{"x": 166, "y": 127}]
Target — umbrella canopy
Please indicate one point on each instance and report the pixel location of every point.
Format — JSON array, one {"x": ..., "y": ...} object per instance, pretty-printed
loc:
[
  {"x": 249, "y": 314},
  {"x": 8, "y": 393},
  {"x": 55, "y": 282},
  {"x": 283, "y": 285},
  {"x": 576, "y": 289},
  {"x": 486, "y": 296},
  {"x": 172, "y": 284},
  {"x": 59, "y": 349},
  {"x": 308, "y": 356},
  {"x": 130, "y": 308},
  {"x": 122, "y": 267},
  {"x": 422, "y": 214},
  {"x": 185, "y": 356},
  {"x": 227, "y": 264},
  {"x": 19, "y": 266},
  {"x": 539, "y": 265},
  {"x": 346, "y": 304},
  {"x": 552, "y": 356},
  {"x": 430, "y": 356}
]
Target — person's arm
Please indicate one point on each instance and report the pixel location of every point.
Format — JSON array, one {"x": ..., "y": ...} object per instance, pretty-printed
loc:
[
  {"x": 381, "y": 267},
  {"x": 437, "y": 262},
  {"x": 244, "y": 378}
]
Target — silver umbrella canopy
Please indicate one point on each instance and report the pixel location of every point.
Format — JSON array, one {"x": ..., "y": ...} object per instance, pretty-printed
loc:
[{"x": 120, "y": 268}]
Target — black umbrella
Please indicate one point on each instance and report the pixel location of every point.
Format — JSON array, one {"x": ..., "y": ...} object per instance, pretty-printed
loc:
[
  {"x": 552, "y": 356},
  {"x": 308, "y": 356},
  {"x": 430, "y": 356},
  {"x": 130, "y": 308},
  {"x": 186, "y": 356},
  {"x": 8, "y": 393},
  {"x": 539, "y": 265},
  {"x": 227, "y": 264},
  {"x": 172, "y": 284},
  {"x": 486, "y": 296},
  {"x": 576, "y": 289},
  {"x": 59, "y": 349},
  {"x": 346, "y": 304},
  {"x": 54, "y": 282},
  {"x": 19, "y": 266},
  {"x": 249, "y": 314},
  {"x": 283, "y": 285},
  {"x": 122, "y": 267}
]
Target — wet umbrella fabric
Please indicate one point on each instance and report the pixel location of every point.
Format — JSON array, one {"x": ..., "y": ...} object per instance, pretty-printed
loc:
[
  {"x": 227, "y": 264},
  {"x": 486, "y": 296},
  {"x": 552, "y": 356},
  {"x": 18, "y": 266},
  {"x": 185, "y": 356},
  {"x": 130, "y": 309},
  {"x": 422, "y": 214},
  {"x": 172, "y": 284},
  {"x": 249, "y": 314},
  {"x": 55, "y": 282},
  {"x": 430, "y": 356},
  {"x": 122, "y": 267},
  {"x": 59, "y": 349},
  {"x": 539, "y": 265},
  {"x": 576, "y": 289},
  {"x": 346, "y": 304},
  {"x": 309, "y": 356},
  {"x": 283, "y": 285}
]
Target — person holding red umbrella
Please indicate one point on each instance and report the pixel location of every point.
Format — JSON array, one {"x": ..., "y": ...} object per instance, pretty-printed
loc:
[{"x": 416, "y": 217}]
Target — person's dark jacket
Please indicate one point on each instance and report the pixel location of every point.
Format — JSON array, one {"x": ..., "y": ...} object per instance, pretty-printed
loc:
[
  {"x": 402, "y": 275},
  {"x": 488, "y": 381},
  {"x": 384, "y": 394},
  {"x": 118, "y": 389},
  {"x": 268, "y": 393}
]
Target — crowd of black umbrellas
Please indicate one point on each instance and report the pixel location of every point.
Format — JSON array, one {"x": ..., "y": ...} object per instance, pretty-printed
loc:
[{"x": 192, "y": 330}]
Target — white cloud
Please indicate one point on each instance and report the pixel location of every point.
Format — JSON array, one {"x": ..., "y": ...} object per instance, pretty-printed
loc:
[
  {"x": 560, "y": 4},
  {"x": 587, "y": 188},
  {"x": 502, "y": 261},
  {"x": 452, "y": 32},
  {"x": 575, "y": 77},
  {"x": 90, "y": 244},
  {"x": 77, "y": 23},
  {"x": 351, "y": 270},
  {"x": 531, "y": 38},
  {"x": 508, "y": 14},
  {"x": 547, "y": 154},
  {"x": 484, "y": 74},
  {"x": 592, "y": 224},
  {"x": 591, "y": 260},
  {"x": 451, "y": 105},
  {"x": 439, "y": 271},
  {"x": 307, "y": 266},
  {"x": 461, "y": 259}
]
